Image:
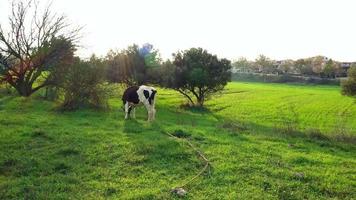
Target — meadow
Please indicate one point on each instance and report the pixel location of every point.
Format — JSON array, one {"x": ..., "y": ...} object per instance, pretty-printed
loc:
[{"x": 270, "y": 141}]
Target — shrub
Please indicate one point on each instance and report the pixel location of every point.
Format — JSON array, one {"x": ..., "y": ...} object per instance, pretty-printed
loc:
[
  {"x": 5, "y": 89},
  {"x": 348, "y": 87},
  {"x": 83, "y": 85}
]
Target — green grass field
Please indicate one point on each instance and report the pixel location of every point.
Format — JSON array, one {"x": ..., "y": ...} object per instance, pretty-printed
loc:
[{"x": 264, "y": 141}]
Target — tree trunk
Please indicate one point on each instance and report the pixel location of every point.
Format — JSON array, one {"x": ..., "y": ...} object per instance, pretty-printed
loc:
[
  {"x": 186, "y": 95},
  {"x": 24, "y": 89},
  {"x": 200, "y": 101}
]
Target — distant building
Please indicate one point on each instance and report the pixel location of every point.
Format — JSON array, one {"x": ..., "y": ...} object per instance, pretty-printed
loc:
[{"x": 345, "y": 66}]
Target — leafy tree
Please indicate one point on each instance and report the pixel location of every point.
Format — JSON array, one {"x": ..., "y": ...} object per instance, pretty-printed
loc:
[
  {"x": 304, "y": 67},
  {"x": 265, "y": 65},
  {"x": 286, "y": 66},
  {"x": 348, "y": 87},
  {"x": 35, "y": 44},
  {"x": 318, "y": 65},
  {"x": 198, "y": 74},
  {"x": 150, "y": 55},
  {"x": 84, "y": 84},
  {"x": 114, "y": 71},
  {"x": 241, "y": 65},
  {"x": 126, "y": 66},
  {"x": 132, "y": 65},
  {"x": 329, "y": 70}
]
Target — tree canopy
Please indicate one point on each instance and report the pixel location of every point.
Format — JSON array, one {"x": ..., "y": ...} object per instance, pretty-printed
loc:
[
  {"x": 132, "y": 65},
  {"x": 348, "y": 87},
  {"x": 34, "y": 45},
  {"x": 198, "y": 74}
]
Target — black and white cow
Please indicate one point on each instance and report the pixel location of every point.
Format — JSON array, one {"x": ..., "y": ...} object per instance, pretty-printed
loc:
[{"x": 135, "y": 95}]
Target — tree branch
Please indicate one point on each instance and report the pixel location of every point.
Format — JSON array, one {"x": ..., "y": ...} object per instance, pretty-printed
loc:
[{"x": 186, "y": 95}]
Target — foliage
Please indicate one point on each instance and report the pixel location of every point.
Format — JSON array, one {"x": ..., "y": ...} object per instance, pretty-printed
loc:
[
  {"x": 84, "y": 84},
  {"x": 241, "y": 65},
  {"x": 329, "y": 70},
  {"x": 35, "y": 44},
  {"x": 199, "y": 74},
  {"x": 286, "y": 67},
  {"x": 132, "y": 66},
  {"x": 317, "y": 64},
  {"x": 348, "y": 87},
  {"x": 265, "y": 65},
  {"x": 163, "y": 74},
  {"x": 283, "y": 78},
  {"x": 304, "y": 67}
]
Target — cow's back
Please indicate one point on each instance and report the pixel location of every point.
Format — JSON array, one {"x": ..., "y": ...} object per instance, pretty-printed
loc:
[{"x": 131, "y": 95}]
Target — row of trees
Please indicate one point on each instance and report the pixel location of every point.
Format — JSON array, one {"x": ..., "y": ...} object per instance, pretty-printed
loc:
[
  {"x": 38, "y": 51},
  {"x": 194, "y": 73},
  {"x": 314, "y": 66}
]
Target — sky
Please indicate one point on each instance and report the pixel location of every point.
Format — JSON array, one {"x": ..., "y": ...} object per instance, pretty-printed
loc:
[{"x": 279, "y": 29}]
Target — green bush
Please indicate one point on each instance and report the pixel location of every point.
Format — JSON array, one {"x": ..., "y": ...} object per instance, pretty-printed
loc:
[
  {"x": 84, "y": 85},
  {"x": 348, "y": 87},
  {"x": 5, "y": 89}
]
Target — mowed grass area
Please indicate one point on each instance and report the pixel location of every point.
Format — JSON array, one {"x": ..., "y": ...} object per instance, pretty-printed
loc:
[
  {"x": 89, "y": 154},
  {"x": 305, "y": 108}
]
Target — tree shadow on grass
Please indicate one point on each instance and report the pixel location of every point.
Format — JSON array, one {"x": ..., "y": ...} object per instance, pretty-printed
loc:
[{"x": 196, "y": 109}]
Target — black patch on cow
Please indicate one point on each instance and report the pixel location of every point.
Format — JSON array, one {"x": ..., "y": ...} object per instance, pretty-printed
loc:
[
  {"x": 130, "y": 95},
  {"x": 152, "y": 97},
  {"x": 146, "y": 93}
]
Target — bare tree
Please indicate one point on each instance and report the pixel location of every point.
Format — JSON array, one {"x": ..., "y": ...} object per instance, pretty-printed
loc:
[{"x": 35, "y": 43}]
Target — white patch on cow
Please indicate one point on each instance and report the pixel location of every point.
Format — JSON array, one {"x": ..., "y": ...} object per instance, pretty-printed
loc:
[{"x": 151, "y": 111}]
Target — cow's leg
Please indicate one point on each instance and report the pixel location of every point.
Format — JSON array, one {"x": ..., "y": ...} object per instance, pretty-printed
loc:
[
  {"x": 149, "y": 111},
  {"x": 127, "y": 107},
  {"x": 153, "y": 110},
  {"x": 130, "y": 109},
  {"x": 133, "y": 112}
]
